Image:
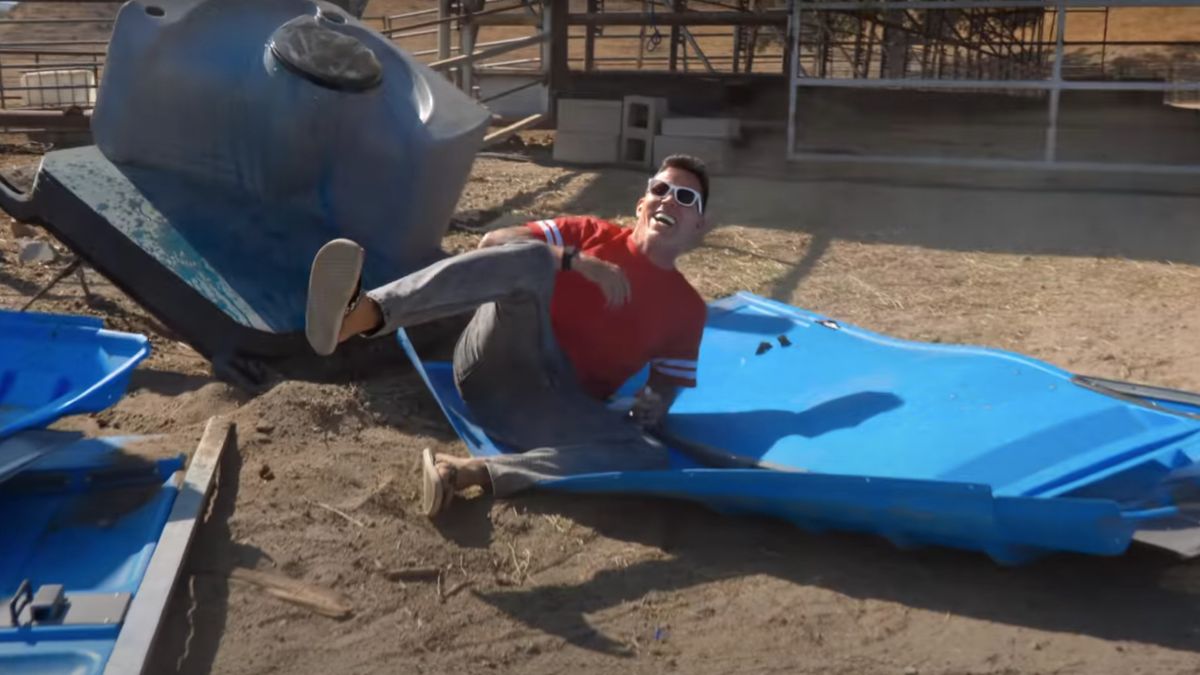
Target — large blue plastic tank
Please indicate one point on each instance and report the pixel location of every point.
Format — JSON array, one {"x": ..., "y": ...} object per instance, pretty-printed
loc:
[
  {"x": 195, "y": 88},
  {"x": 232, "y": 140}
]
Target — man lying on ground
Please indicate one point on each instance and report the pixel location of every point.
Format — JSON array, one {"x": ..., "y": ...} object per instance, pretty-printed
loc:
[{"x": 566, "y": 311}]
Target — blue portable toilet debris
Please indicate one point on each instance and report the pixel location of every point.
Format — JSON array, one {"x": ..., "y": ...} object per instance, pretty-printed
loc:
[
  {"x": 923, "y": 444},
  {"x": 83, "y": 520},
  {"x": 232, "y": 140},
  {"x": 82, "y": 524},
  {"x": 53, "y": 365}
]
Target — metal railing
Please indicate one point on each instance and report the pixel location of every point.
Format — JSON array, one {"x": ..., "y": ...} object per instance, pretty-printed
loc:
[
  {"x": 465, "y": 40},
  {"x": 1040, "y": 62},
  {"x": 34, "y": 86},
  {"x": 49, "y": 82},
  {"x": 448, "y": 39}
]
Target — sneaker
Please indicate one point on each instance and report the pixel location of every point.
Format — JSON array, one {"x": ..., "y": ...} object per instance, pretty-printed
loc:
[{"x": 334, "y": 288}]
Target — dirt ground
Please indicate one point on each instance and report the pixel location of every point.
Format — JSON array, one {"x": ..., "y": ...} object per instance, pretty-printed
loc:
[
  {"x": 323, "y": 486},
  {"x": 1099, "y": 276}
]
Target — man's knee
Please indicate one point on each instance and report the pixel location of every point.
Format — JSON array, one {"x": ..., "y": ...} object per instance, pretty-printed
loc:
[
  {"x": 536, "y": 253},
  {"x": 536, "y": 263}
]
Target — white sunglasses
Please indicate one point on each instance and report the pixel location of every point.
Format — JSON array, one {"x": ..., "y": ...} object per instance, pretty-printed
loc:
[{"x": 686, "y": 196}]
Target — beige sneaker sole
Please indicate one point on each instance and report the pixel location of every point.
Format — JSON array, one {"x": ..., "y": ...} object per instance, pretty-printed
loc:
[
  {"x": 435, "y": 496},
  {"x": 332, "y": 285}
]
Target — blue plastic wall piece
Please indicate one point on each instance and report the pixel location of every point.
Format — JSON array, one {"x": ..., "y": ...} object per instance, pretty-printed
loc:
[
  {"x": 85, "y": 516},
  {"x": 54, "y": 365},
  {"x": 957, "y": 446}
]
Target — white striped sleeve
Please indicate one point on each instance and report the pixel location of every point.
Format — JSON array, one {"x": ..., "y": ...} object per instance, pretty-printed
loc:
[
  {"x": 551, "y": 232},
  {"x": 680, "y": 369}
]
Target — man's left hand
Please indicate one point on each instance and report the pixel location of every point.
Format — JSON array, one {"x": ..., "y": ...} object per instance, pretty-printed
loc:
[{"x": 649, "y": 409}]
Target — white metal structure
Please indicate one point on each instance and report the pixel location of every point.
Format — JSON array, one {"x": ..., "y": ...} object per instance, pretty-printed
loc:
[{"x": 1176, "y": 89}]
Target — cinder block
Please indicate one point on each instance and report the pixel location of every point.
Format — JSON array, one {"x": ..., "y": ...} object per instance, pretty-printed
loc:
[
  {"x": 643, "y": 114},
  {"x": 637, "y": 150},
  {"x": 594, "y": 116},
  {"x": 642, "y": 121},
  {"x": 726, "y": 128},
  {"x": 716, "y": 153},
  {"x": 579, "y": 147}
]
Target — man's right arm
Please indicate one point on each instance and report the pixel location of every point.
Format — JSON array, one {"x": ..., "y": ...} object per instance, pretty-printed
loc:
[
  {"x": 608, "y": 277},
  {"x": 507, "y": 234}
]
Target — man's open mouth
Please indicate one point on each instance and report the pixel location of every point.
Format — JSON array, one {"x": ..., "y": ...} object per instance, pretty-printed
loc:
[{"x": 665, "y": 219}]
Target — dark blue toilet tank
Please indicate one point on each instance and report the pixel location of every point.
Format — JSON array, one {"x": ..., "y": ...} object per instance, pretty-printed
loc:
[{"x": 346, "y": 127}]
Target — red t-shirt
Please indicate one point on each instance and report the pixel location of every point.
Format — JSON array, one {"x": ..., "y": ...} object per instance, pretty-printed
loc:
[{"x": 661, "y": 323}]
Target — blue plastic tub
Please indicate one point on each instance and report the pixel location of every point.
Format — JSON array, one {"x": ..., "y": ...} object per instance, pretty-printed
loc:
[
  {"x": 53, "y": 365},
  {"x": 85, "y": 517},
  {"x": 77, "y": 513}
]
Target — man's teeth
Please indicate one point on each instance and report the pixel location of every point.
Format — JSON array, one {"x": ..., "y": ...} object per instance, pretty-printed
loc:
[{"x": 664, "y": 218}]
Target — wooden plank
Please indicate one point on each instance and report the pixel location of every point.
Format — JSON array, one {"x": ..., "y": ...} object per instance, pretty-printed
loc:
[
  {"x": 145, "y": 614},
  {"x": 502, "y": 134},
  {"x": 313, "y": 598},
  {"x": 507, "y": 20},
  {"x": 45, "y": 119},
  {"x": 489, "y": 52},
  {"x": 448, "y": 19}
]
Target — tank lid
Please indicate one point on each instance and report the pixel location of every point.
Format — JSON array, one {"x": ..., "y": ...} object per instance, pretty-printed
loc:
[{"x": 326, "y": 57}]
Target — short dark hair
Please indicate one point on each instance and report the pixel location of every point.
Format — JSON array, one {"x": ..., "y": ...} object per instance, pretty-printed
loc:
[{"x": 694, "y": 166}]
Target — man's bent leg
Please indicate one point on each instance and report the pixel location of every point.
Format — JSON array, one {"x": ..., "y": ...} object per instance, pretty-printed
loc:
[
  {"x": 522, "y": 390},
  {"x": 512, "y": 473},
  {"x": 526, "y": 397},
  {"x": 506, "y": 357},
  {"x": 448, "y": 287},
  {"x": 562, "y": 430},
  {"x": 464, "y": 282}
]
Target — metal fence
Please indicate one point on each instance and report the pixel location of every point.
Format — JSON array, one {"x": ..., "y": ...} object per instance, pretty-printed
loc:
[
  {"x": 467, "y": 40},
  {"x": 918, "y": 49},
  {"x": 40, "y": 79},
  {"x": 41, "y": 71}
]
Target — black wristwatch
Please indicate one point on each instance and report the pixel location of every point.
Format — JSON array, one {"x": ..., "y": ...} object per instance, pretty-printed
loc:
[{"x": 568, "y": 256}]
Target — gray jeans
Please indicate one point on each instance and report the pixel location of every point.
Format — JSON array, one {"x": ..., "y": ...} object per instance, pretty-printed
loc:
[{"x": 510, "y": 371}]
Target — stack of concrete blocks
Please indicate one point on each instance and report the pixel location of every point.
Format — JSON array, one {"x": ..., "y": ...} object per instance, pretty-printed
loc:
[
  {"x": 589, "y": 131},
  {"x": 592, "y": 131},
  {"x": 641, "y": 123},
  {"x": 709, "y": 138}
]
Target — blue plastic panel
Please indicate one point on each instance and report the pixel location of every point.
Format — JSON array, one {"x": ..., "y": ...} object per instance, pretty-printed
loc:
[
  {"x": 844, "y": 400},
  {"x": 923, "y": 444},
  {"x": 52, "y": 365},
  {"x": 91, "y": 532}
]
